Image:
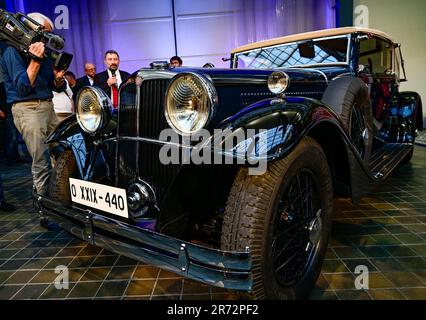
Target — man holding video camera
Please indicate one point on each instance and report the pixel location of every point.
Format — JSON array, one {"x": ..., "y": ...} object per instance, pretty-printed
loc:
[{"x": 29, "y": 81}]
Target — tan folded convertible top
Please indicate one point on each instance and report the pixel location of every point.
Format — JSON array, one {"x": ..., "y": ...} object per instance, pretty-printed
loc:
[{"x": 310, "y": 35}]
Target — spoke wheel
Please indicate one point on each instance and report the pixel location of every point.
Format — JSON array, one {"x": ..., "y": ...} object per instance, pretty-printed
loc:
[
  {"x": 284, "y": 218},
  {"x": 296, "y": 230}
]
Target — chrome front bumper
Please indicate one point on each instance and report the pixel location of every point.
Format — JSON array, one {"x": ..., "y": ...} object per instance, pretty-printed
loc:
[{"x": 225, "y": 269}]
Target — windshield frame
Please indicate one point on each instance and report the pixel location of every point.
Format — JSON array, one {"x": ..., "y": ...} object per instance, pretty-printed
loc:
[{"x": 234, "y": 60}]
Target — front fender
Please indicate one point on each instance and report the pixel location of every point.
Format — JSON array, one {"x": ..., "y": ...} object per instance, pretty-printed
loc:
[
  {"x": 95, "y": 159},
  {"x": 284, "y": 123},
  {"x": 65, "y": 129}
]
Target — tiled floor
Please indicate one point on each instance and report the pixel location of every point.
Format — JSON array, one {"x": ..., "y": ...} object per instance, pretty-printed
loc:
[{"x": 386, "y": 232}]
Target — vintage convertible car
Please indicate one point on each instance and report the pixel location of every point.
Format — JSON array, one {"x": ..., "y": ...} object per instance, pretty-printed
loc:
[{"x": 327, "y": 119}]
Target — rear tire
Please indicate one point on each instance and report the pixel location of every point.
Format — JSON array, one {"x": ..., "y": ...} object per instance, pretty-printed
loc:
[{"x": 262, "y": 210}]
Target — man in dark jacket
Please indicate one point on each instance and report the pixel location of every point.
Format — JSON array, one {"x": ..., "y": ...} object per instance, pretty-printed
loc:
[
  {"x": 111, "y": 79},
  {"x": 87, "y": 80}
]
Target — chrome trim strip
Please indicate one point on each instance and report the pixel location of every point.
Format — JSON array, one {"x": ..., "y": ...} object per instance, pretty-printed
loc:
[
  {"x": 319, "y": 65},
  {"x": 138, "y": 108},
  {"x": 303, "y": 92},
  {"x": 149, "y": 74},
  {"x": 148, "y": 140},
  {"x": 320, "y": 72},
  {"x": 342, "y": 75},
  {"x": 238, "y": 81}
]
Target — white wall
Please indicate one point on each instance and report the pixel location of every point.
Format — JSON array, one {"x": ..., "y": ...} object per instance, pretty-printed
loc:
[
  {"x": 212, "y": 25},
  {"x": 405, "y": 21},
  {"x": 140, "y": 24},
  {"x": 206, "y": 30}
]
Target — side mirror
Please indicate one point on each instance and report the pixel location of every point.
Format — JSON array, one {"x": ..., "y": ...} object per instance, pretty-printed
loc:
[{"x": 306, "y": 49}]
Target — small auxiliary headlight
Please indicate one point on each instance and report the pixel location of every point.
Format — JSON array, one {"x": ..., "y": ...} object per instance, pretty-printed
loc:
[{"x": 278, "y": 82}]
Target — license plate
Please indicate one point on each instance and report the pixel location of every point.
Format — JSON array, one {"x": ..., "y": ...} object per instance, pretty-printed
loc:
[{"x": 105, "y": 198}]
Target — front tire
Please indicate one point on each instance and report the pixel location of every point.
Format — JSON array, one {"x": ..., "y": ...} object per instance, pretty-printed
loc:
[
  {"x": 65, "y": 168},
  {"x": 284, "y": 217}
]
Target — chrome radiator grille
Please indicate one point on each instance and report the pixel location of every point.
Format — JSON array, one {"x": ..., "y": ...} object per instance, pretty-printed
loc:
[
  {"x": 144, "y": 155},
  {"x": 127, "y": 111},
  {"x": 151, "y": 113},
  {"x": 151, "y": 109},
  {"x": 151, "y": 122}
]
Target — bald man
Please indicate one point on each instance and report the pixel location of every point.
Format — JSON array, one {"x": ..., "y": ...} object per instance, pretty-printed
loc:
[
  {"x": 42, "y": 19},
  {"x": 87, "y": 80}
]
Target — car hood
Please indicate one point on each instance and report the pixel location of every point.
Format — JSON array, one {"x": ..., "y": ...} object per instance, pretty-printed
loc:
[
  {"x": 239, "y": 88},
  {"x": 256, "y": 76}
]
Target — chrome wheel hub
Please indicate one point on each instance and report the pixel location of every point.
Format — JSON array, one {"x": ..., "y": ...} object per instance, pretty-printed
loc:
[{"x": 314, "y": 227}]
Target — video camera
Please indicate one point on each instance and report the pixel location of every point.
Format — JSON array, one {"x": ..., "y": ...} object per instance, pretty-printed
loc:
[{"x": 20, "y": 31}]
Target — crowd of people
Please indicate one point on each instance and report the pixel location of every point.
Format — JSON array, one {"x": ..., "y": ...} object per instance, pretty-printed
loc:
[{"x": 35, "y": 97}]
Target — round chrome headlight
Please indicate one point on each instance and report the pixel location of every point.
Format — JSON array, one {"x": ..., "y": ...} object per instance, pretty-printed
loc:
[
  {"x": 93, "y": 110},
  {"x": 190, "y": 103},
  {"x": 278, "y": 82}
]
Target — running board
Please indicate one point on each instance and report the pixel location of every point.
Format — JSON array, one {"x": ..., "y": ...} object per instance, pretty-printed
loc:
[{"x": 384, "y": 160}]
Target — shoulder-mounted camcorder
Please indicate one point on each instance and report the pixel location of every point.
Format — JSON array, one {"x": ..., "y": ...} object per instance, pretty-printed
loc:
[{"x": 19, "y": 31}]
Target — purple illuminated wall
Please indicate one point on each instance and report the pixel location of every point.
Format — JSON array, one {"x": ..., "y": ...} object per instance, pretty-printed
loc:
[{"x": 203, "y": 31}]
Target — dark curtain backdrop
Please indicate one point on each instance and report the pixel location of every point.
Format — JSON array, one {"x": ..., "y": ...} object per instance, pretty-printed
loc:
[
  {"x": 265, "y": 19},
  {"x": 258, "y": 20},
  {"x": 88, "y": 36}
]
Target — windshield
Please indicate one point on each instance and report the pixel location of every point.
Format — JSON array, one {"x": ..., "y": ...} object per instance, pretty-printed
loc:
[{"x": 297, "y": 54}]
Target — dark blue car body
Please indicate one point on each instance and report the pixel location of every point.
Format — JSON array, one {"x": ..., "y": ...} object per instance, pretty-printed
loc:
[{"x": 189, "y": 197}]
